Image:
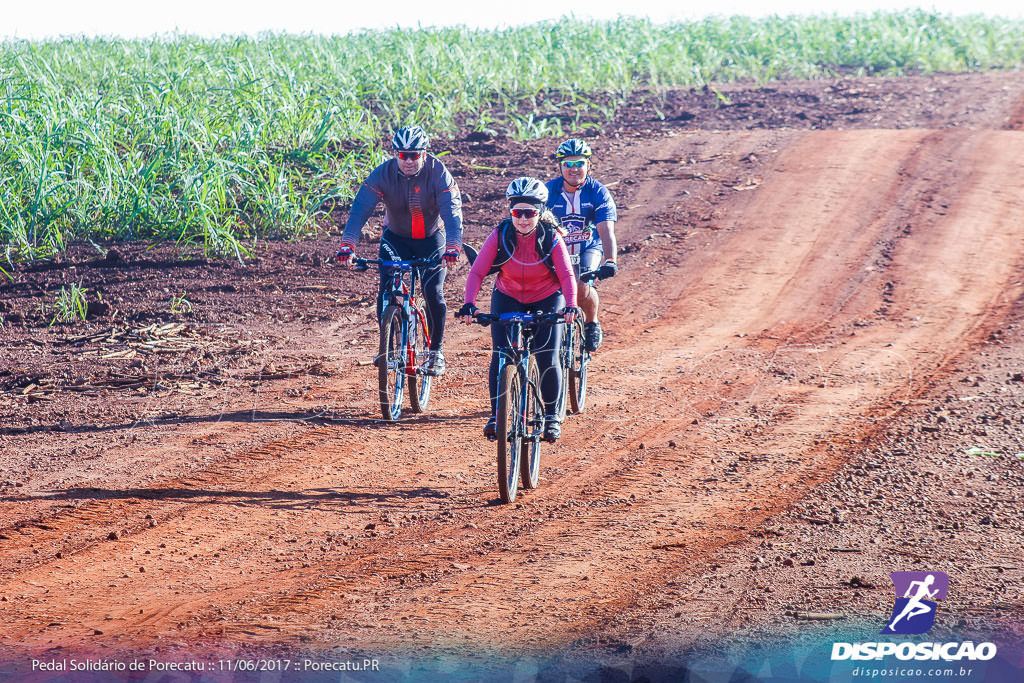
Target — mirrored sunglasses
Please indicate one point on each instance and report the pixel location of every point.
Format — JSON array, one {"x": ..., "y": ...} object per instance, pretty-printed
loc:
[
  {"x": 524, "y": 213},
  {"x": 410, "y": 156},
  {"x": 574, "y": 164}
]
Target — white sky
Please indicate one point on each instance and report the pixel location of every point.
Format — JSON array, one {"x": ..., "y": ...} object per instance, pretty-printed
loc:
[{"x": 34, "y": 19}]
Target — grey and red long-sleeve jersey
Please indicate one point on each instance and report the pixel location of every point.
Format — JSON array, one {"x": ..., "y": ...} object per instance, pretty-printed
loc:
[{"x": 415, "y": 206}]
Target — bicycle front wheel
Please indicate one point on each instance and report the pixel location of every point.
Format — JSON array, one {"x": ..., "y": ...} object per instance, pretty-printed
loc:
[
  {"x": 510, "y": 427},
  {"x": 576, "y": 376},
  {"x": 390, "y": 363},
  {"x": 419, "y": 383},
  {"x": 532, "y": 409}
]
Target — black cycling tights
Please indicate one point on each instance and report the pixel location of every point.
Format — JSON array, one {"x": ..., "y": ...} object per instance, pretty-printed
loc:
[
  {"x": 395, "y": 248},
  {"x": 546, "y": 342}
]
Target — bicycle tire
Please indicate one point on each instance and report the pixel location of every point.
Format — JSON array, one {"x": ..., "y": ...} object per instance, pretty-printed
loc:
[
  {"x": 390, "y": 363},
  {"x": 510, "y": 429},
  {"x": 533, "y": 410},
  {"x": 419, "y": 383},
  {"x": 576, "y": 377}
]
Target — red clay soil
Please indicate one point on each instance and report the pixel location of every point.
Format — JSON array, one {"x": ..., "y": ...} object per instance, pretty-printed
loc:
[{"x": 808, "y": 274}]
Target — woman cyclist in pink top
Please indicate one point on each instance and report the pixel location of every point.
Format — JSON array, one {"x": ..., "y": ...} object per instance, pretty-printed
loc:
[{"x": 534, "y": 275}]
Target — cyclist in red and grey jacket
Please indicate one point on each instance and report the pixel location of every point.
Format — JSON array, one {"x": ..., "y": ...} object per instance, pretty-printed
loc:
[
  {"x": 534, "y": 275},
  {"x": 422, "y": 219}
]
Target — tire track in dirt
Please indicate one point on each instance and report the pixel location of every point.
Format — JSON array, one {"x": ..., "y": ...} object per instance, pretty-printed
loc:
[
  {"x": 973, "y": 301},
  {"x": 126, "y": 512},
  {"x": 792, "y": 301},
  {"x": 803, "y": 261}
]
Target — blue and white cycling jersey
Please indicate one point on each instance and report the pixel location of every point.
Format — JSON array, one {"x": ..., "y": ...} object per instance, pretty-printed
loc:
[{"x": 580, "y": 212}]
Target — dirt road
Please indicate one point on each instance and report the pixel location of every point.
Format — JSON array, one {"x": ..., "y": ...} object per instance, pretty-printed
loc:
[{"x": 786, "y": 294}]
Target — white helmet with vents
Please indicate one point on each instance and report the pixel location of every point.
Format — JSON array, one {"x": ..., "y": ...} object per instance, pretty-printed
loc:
[
  {"x": 410, "y": 138},
  {"x": 528, "y": 190}
]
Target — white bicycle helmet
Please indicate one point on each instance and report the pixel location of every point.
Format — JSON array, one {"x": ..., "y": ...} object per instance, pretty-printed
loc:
[
  {"x": 410, "y": 138},
  {"x": 573, "y": 147},
  {"x": 528, "y": 190}
]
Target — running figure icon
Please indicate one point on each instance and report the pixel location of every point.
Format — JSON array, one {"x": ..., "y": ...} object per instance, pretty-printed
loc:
[
  {"x": 919, "y": 591},
  {"x": 915, "y": 607}
]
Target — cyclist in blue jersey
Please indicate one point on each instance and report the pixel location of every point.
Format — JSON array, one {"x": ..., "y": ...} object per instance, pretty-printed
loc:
[
  {"x": 587, "y": 213},
  {"x": 422, "y": 219}
]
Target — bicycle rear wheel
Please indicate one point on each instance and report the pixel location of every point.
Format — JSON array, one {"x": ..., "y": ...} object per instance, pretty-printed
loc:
[
  {"x": 533, "y": 411},
  {"x": 419, "y": 383},
  {"x": 390, "y": 363},
  {"x": 576, "y": 376},
  {"x": 510, "y": 427}
]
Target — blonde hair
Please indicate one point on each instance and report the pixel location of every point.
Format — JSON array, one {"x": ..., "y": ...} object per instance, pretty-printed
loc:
[{"x": 548, "y": 218}]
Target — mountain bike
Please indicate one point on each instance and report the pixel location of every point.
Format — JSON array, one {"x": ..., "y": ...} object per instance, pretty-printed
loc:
[
  {"x": 404, "y": 338},
  {"x": 520, "y": 409},
  {"x": 575, "y": 358}
]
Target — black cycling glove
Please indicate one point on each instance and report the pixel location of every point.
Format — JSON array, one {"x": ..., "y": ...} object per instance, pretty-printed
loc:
[
  {"x": 467, "y": 309},
  {"x": 609, "y": 269}
]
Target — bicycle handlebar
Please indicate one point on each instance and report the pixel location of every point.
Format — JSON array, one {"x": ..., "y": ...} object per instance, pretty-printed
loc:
[
  {"x": 589, "y": 277},
  {"x": 365, "y": 263},
  {"x": 486, "y": 319}
]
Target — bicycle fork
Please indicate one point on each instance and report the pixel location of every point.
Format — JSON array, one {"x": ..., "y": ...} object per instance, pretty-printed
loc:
[
  {"x": 417, "y": 318},
  {"x": 530, "y": 392}
]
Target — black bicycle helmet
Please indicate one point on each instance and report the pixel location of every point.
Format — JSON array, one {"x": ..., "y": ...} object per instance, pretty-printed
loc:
[{"x": 573, "y": 147}]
